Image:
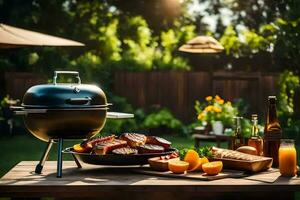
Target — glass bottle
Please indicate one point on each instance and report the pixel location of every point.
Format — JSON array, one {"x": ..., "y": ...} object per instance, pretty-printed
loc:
[
  {"x": 237, "y": 137},
  {"x": 272, "y": 132},
  {"x": 255, "y": 140},
  {"x": 287, "y": 158}
]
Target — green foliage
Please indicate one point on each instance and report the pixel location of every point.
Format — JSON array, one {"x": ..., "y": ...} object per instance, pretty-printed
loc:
[
  {"x": 7, "y": 101},
  {"x": 231, "y": 42},
  {"x": 202, "y": 151},
  {"x": 246, "y": 128},
  {"x": 162, "y": 118},
  {"x": 109, "y": 42},
  {"x": 205, "y": 152},
  {"x": 288, "y": 84}
]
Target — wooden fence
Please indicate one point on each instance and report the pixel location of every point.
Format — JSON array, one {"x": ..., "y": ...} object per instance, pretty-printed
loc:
[
  {"x": 179, "y": 90},
  {"x": 17, "y": 83}
]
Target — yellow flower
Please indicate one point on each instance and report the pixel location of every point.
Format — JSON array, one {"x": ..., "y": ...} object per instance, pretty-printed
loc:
[
  {"x": 209, "y": 108},
  {"x": 200, "y": 116},
  {"x": 217, "y": 109},
  {"x": 208, "y": 98},
  {"x": 221, "y": 101},
  {"x": 217, "y": 98}
]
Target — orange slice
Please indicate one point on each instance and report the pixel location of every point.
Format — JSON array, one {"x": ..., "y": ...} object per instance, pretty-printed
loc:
[
  {"x": 178, "y": 166},
  {"x": 192, "y": 157},
  {"x": 198, "y": 167},
  {"x": 212, "y": 168},
  {"x": 79, "y": 149}
]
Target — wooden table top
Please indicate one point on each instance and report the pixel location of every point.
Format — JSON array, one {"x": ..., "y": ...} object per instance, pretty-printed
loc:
[{"x": 96, "y": 180}]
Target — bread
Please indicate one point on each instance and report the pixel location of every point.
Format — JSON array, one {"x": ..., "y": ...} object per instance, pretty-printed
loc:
[
  {"x": 134, "y": 139},
  {"x": 247, "y": 150},
  {"x": 150, "y": 148},
  {"x": 158, "y": 141},
  {"x": 230, "y": 154},
  {"x": 108, "y": 146}
]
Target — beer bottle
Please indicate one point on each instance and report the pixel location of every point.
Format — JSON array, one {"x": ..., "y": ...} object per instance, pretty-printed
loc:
[
  {"x": 255, "y": 140},
  {"x": 272, "y": 132},
  {"x": 237, "y": 137}
]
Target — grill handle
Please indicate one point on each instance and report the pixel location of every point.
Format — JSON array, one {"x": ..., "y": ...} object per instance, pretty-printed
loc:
[
  {"x": 78, "y": 101},
  {"x": 66, "y": 72}
]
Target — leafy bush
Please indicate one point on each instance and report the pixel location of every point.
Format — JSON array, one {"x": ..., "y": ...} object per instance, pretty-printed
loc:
[
  {"x": 162, "y": 118},
  {"x": 288, "y": 84}
]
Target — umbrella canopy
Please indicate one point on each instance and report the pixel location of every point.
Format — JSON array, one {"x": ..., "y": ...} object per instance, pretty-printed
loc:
[
  {"x": 202, "y": 44},
  {"x": 12, "y": 37}
]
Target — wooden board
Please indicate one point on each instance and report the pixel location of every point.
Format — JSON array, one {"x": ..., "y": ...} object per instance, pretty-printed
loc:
[
  {"x": 192, "y": 175},
  {"x": 269, "y": 176},
  {"x": 252, "y": 166}
]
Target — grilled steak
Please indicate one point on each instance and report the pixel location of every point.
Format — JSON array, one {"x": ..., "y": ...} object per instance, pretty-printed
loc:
[
  {"x": 225, "y": 153},
  {"x": 93, "y": 141},
  {"x": 125, "y": 151},
  {"x": 158, "y": 141},
  {"x": 150, "y": 148},
  {"x": 108, "y": 146},
  {"x": 134, "y": 139}
]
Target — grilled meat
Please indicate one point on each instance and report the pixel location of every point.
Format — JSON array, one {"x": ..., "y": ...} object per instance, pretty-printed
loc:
[
  {"x": 150, "y": 148},
  {"x": 158, "y": 141},
  {"x": 230, "y": 154},
  {"x": 105, "y": 147},
  {"x": 125, "y": 151},
  {"x": 93, "y": 141},
  {"x": 134, "y": 139}
]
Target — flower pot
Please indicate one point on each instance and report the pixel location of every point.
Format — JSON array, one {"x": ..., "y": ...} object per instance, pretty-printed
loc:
[{"x": 217, "y": 127}]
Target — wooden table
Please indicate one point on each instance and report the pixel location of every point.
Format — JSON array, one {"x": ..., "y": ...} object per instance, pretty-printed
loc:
[{"x": 115, "y": 183}]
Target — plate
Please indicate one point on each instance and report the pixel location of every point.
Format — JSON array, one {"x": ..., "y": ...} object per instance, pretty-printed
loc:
[{"x": 115, "y": 159}]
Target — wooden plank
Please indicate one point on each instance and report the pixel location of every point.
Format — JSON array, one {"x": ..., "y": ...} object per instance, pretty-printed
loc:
[{"x": 192, "y": 175}]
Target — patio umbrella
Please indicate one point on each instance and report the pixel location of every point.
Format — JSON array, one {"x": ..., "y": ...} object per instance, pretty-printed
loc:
[
  {"x": 12, "y": 37},
  {"x": 202, "y": 44}
]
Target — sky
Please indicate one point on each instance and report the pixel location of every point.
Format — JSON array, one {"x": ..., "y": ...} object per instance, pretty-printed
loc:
[{"x": 199, "y": 8}]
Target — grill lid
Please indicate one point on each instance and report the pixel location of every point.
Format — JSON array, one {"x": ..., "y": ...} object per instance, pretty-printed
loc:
[{"x": 75, "y": 95}]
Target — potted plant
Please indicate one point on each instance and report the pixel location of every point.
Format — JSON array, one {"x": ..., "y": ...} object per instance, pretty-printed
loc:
[{"x": 216, "y": 112}]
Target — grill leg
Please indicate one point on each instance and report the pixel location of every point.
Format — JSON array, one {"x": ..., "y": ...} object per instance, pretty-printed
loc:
[
  {"x": 39, "y": 167},
  {"x": 76, "y": 161},
  {"x": 59, "y": 158}
]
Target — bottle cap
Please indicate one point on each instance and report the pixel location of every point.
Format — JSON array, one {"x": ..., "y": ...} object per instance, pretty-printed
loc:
[
  {"x": 237, "y": 117},
  {"x": 272, "y": 97},
  {"x": 254, "y": 116}
]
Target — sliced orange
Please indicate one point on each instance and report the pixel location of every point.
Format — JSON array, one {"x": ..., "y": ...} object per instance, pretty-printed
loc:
[
  {"x": 198, "y": 167},
  {"x": 203, "y": 161},
  {"x": 178, "y": 166},
  {"x": 212, "y": 168},
  {"x": 79, "y": 149},
  {"x": 192, "y": 157}
]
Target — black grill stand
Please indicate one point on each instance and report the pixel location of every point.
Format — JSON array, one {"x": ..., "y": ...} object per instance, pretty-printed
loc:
[{"x": 40, "y": 166}]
